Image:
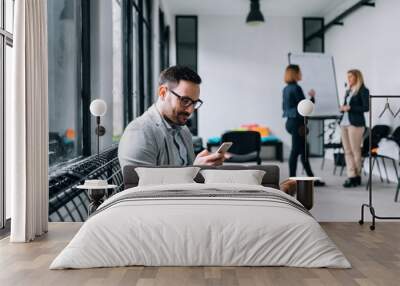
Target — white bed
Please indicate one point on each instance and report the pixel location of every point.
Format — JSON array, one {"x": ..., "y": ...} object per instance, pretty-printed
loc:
[{"x": 246, "y": 225}]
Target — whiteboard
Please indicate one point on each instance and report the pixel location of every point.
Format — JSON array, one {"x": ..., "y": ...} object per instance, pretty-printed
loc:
[{"x": 318, "y": 72}]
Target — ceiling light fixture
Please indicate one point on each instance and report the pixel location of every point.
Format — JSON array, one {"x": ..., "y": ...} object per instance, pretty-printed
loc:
[{"x": 255, "y": 16}]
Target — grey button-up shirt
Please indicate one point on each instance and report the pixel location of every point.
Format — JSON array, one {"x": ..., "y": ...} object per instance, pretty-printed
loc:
[
  {"x": 148, "y": 140},
  {"x": 180, "y": 157}
]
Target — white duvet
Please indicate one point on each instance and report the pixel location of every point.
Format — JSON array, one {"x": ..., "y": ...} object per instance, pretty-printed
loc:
[{"x": 200, "y": 231}]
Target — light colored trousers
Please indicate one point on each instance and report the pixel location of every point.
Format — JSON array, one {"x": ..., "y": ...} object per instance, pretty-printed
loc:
[{"x": 352, "y": 137}]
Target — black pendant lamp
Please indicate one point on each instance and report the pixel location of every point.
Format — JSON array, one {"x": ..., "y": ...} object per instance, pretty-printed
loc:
[{"x": 255, "y": 16}]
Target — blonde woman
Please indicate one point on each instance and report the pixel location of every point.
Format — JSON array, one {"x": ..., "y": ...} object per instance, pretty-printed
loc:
[{"x": 356, "y": 102}]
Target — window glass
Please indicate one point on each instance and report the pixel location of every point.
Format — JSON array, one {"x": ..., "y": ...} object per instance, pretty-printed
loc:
[
  {"x": 64, "y": 64},
  {"x": 118, "y": 100},
  {"x": 3, "y": 204},
  {"x": 186, "y": 52},
  {"x": 147, "y": 63},
  {"x": 135, "y": 63},
  {"x": 8, "y": 89},
  {"x": 6, "y": 66},
  {"x": 9, "y": 15},
  {"x": 186, "y": 30},
  {"x": 147, "y": 38},
  {"x": 1, "y": 15},
  {"x": 164, "y": 41},
  {"x": 187, "y": 41}
]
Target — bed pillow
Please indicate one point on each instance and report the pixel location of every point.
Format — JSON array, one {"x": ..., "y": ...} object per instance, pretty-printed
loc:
[
  {"x": 166, "y": 176},
  {"x": 248, "y": 177}
]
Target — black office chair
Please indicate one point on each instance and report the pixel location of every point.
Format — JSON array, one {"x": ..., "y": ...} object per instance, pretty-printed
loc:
[
  {"x": 197, "y": 144},
  {"x": 378, "y": 132},
  {"x": 338, "y": 158},
  {"x": 396, "y": 138},
  {"x": 246, "y": 146}
]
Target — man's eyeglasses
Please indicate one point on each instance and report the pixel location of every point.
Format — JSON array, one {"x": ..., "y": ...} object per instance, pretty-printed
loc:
[{"x": 186, "y": 101}]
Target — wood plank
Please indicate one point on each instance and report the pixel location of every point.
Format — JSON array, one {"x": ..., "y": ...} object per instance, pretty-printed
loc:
[{"x": 375, "y": 257}]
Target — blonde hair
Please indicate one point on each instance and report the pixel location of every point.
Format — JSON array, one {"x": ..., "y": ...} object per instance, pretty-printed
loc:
[
  {"x": 359, "y": 79},
  {"x": 291, "y": 73}
]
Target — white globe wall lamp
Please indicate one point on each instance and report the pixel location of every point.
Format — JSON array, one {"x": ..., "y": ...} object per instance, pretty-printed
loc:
[{"x": 98, "y": 108}]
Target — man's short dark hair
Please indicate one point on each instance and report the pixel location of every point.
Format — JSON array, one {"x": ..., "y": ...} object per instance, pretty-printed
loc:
[{"x": 173, "y": 75}]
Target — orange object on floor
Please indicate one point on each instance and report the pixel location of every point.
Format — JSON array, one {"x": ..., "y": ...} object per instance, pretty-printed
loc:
[
  {"x": 70, "y": 134},
  {"x": 263, "y": 130}
]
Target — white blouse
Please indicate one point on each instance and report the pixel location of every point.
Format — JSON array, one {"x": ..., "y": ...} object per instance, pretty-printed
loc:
[{"x": 345, "y": 119}]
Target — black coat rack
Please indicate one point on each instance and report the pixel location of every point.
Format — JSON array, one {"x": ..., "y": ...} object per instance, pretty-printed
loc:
[{"x": 370, "y": 203}]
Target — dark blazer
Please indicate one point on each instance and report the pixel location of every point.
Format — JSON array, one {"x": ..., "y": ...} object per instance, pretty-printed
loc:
[
  {"x": 292, "y": 95},
  {"x": 359, "y": 104}
]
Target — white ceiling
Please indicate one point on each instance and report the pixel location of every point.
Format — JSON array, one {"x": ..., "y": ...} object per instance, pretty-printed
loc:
[{"x": 299, "y": 8}]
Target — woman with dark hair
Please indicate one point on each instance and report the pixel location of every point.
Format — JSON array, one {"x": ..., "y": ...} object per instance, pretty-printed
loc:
[
  {"x": 353, "y": 125},
  {"x": 292, "y": 95}
]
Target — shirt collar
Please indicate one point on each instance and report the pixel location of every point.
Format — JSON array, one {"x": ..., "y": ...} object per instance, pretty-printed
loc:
[{"x": 172, "y": 128}]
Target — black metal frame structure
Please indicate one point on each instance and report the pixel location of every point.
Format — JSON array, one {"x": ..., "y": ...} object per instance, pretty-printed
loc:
[
  {"x": 164, "y": 41},
  {"x": 139, "y": 9},
  {"x": 338, "y": 21},
  {"x": 66, "y": 203},
  {"x": 85, "y": 78},
  {"x": 147, "y": 20},
  {"x": 369, "y": 205},
  {"x": 6, "y": 39},
  {"x": 127, "y": 34}
]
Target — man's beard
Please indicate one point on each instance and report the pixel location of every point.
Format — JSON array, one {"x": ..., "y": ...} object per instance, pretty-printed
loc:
[{"x": 185, "y": 115}]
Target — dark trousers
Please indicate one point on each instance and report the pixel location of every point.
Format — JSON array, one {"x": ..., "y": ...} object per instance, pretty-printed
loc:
[{"x": 297, "y": 131}]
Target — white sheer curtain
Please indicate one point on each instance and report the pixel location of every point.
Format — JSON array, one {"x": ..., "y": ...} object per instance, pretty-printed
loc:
[{"x": 27, "y": 117}]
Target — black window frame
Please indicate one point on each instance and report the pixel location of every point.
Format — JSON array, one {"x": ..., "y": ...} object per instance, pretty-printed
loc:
[
  {"x": 164, "y": 39},
  {"x": 148, "y": 18},
  {"x": 127, "y": 39},
  {"x": 86, "y": 79}
]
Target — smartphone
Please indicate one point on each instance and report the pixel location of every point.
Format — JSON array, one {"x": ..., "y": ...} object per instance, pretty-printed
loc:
[{"x": 224, "y": 147}]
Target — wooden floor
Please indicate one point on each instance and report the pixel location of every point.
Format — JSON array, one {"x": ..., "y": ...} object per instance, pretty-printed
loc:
[{"x": 375, "y": 257}]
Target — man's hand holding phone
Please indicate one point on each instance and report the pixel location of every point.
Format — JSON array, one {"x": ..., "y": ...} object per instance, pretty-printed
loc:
[{"x": 213, "y": 159}]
